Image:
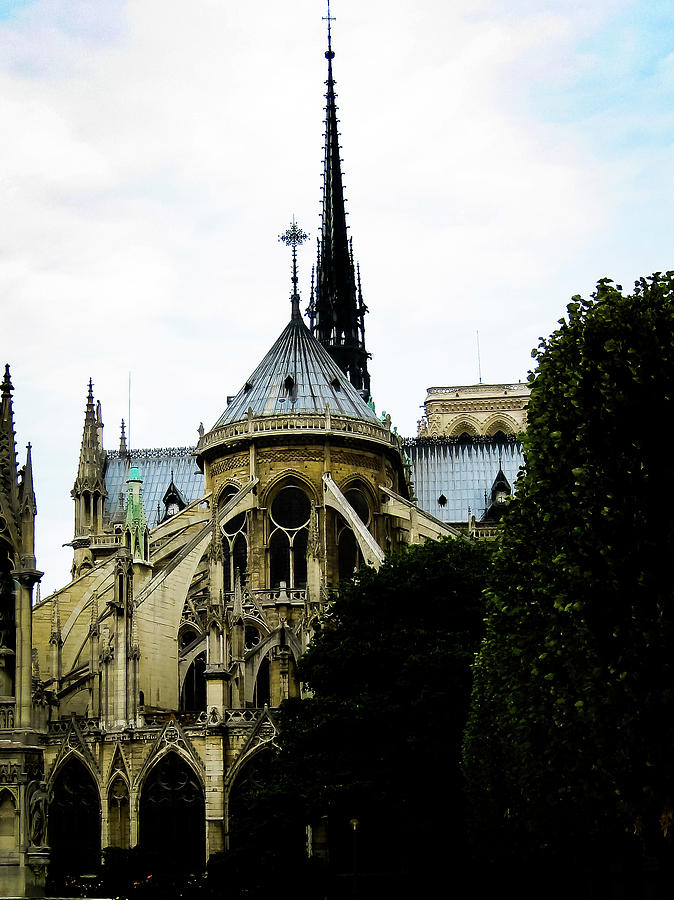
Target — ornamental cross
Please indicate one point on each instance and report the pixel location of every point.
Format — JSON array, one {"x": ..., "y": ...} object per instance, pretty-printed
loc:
[
  {"x": 329, "y": 19},
  {"x": 293, "y": 237}
]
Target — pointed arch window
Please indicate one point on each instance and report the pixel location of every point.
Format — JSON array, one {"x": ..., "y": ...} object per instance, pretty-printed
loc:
[
  {"x": 8, "y": 822},
  {"x": 234, "y": 542},
  {"x": 289, "y": 515},
  {"x": 349, "y": 556}
]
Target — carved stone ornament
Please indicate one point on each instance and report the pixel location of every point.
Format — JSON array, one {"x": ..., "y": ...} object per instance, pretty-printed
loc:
[{"x": 38, "y": 800}]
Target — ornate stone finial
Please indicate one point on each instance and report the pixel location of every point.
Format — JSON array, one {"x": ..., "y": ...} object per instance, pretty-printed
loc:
[
  {"x": 313, "y": 539},
  {"x": 89, "y": 416},
  {"x": 94, "y": 630},
  {"x": 55, "y": 636},
  {"x": 216, "y": 552},
  {"x": 7, "y": 386},
  {"x": 122, "y": 442},
  {"x": 238, "y": 598},
  {"x": 294, "y": 237},
  {"x": 134, "y": 650}
]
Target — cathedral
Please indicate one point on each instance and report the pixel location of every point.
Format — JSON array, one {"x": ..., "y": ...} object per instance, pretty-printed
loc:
[{"x": 136, "y": 698}]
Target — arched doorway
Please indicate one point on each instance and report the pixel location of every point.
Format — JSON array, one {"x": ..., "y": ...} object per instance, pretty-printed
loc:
[
  {"x": 74, "y": 821},
  {"x": 172, "y": 815}
]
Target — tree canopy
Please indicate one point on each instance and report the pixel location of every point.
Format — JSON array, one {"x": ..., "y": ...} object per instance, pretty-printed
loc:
[
  {"x": 572, "y": 719},
  {"x": 378, "y": 742}
]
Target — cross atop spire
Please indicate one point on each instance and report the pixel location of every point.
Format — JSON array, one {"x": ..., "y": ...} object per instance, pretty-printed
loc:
[
  {"x": 294, "y": 237},
  {"x": 329, "y": 19}
]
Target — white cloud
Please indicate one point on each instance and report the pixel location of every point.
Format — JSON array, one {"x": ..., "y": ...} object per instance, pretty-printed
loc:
[{"x": 154, "y": 150}]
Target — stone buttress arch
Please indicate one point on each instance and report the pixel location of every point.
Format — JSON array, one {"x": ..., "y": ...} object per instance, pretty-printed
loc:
[{"x": 255, "y": 655}]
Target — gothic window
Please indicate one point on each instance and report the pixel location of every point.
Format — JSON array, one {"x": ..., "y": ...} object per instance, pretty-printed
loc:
[
  {"x": 193, "y": 694},
  {"x": 75, "y": 820},
  {"x": 252, "y": 638},
  {"x": 8, "y": 822},
  {"x": 187, "y": 636},
  {"x": 262, "y": 691},
  {"x": 118, "y": 813},
  {"x": 357, "y": 500},
  {"x": 348, "y": 552},
  {"x": 289, "y": 514},
  {"x": 172, "y": 815},
  {"x": 251, "y": 779},
  {"x": 349, "y": 557},
  {"x": 234, "y": 542}
]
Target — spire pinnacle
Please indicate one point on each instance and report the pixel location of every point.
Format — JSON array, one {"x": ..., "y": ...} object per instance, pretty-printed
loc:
[
  {"x": 336, "y": 315},
  {"x": 89, "y": 416},
  {"x": 294, "y": 237},
  {"x": 122, "y": 442},
  {"x": 7, "y": 386},
  {"x": 9, "y": 489},
  {"x": 27, "y": 489},
  {"x": 329, "y": 53}
]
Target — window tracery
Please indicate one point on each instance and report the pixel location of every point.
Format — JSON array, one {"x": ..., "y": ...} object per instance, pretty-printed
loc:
[
  {"x": 234, "y": 542},
  {"x": 289, "y": 516}
]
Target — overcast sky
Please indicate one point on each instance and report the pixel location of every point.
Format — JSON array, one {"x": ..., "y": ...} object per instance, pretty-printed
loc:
[{"x": 498, "y": 157}]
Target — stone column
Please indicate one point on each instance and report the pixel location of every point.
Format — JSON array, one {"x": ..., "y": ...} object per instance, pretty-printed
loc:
[
  {"x": 214, "y": 791},
  {"x": 26, "y": 576}
]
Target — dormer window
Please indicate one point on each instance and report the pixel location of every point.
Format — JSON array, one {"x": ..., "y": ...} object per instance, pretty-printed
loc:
[
  {"x": 336, "y": 384},
  {"x": 289, "y": 391},
  {"x": 173, "y": 501}
]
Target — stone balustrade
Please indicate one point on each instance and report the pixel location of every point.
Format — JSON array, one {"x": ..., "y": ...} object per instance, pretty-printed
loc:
[{"x": 288, "y": 424}]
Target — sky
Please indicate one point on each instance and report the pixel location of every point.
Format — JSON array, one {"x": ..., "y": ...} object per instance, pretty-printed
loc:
[{"x": 499, "y": 157}]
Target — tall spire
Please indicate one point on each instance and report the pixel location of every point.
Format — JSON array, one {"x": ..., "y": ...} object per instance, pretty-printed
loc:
[
  {"x": 9, "y": 487},
  {"x": 89, "y": 489},
  {"x": 337, "y": 310}
]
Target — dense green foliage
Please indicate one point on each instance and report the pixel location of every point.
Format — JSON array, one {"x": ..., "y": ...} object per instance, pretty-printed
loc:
[
  {"x": 572, "y": 724},
  {"x": 379, "y": 740}
]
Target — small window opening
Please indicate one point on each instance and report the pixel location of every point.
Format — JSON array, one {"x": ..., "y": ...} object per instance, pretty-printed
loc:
[
  {"x": 442, "y": 500},
  {"x": 336, "y": 385},
  {"x": 247, "y": 387}
]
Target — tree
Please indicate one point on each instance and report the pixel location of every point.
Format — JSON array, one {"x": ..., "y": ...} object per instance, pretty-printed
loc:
[
  {"x": 378, "y": 743},
  {"x": 572, "y": 723}
]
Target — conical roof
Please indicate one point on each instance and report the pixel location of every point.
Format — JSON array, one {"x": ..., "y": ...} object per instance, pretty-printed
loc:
[{"x": 297, "y": 376}]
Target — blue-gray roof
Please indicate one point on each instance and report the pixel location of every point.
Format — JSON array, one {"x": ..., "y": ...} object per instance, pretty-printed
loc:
[
  {"x": 155, "y": 467},
  {"x": 316, "y": 381},
  {"x": 462, "y": 472}
]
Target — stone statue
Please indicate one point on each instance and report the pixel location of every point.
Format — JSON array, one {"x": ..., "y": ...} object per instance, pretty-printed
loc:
[{"x": 38, "y": 815}]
